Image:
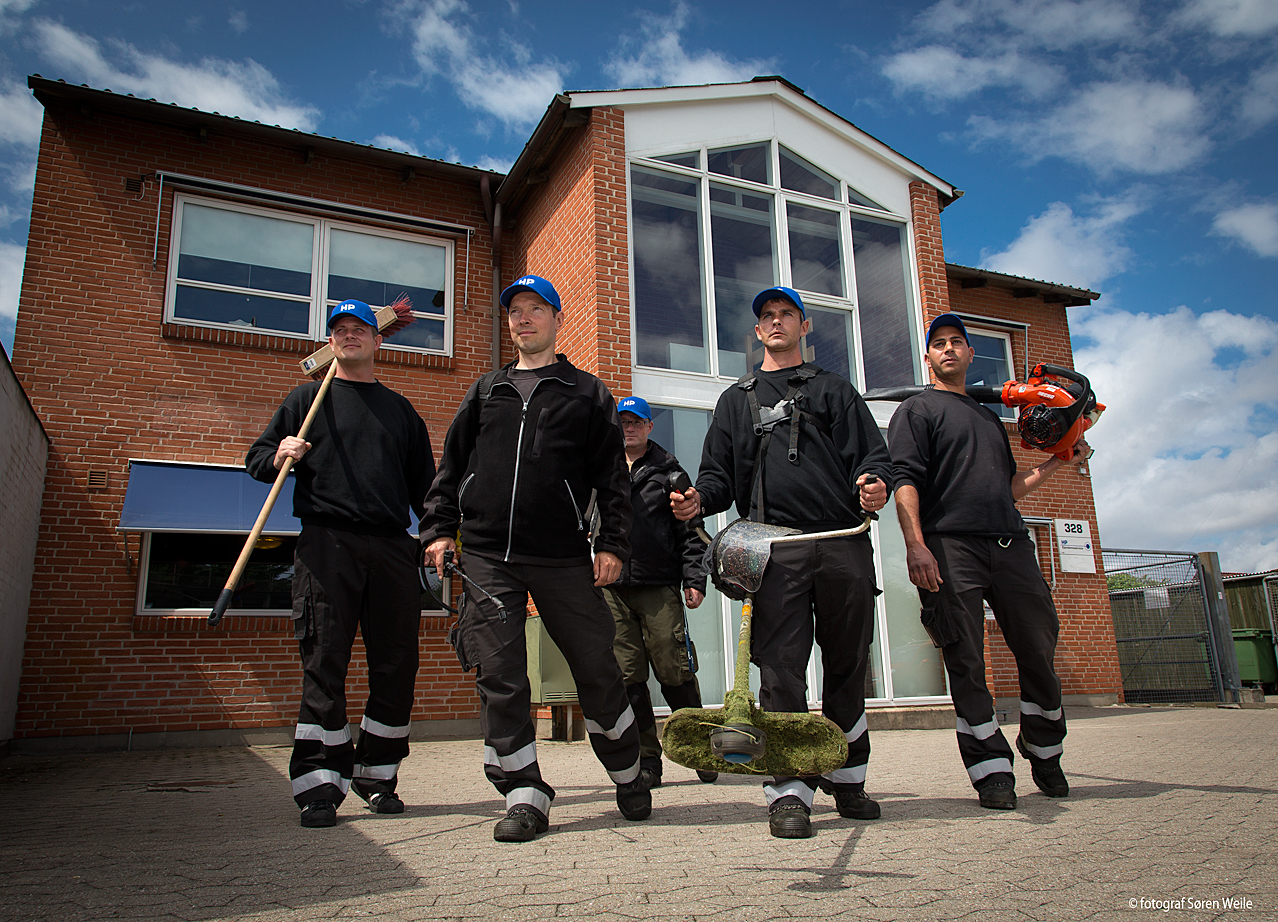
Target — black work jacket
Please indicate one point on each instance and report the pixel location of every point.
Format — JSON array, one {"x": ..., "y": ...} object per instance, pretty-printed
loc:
[{"x": 663, "y": 550}]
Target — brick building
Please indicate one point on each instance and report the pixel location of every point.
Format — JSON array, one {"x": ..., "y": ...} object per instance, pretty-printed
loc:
[{"x": 180, "y": 263}]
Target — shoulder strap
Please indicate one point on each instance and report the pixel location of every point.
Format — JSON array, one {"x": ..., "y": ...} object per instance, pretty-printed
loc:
[{"x": 486, "y": 382}]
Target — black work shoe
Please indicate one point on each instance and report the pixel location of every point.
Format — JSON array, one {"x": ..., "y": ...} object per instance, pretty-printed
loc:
[
  {"x": 385, "y": 803},
  {"x": 650, "y": 778},
  {"x": 1046, "y": 773},
  {"x": 634, "y": 800},
  {"x": 790, "y": 821},
  {"x": 854, "y": 805},
  {"x": 708, "y": 777},
  {"x": 1000, "y": 795},
  {"x": 319, "y": 813},
  {"x": 520, "y": 824}
]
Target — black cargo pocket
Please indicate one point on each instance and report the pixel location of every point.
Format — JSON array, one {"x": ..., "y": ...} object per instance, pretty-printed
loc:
[
  {"x": 303, "y": 619},
  {"x": 937, "y": 621}
]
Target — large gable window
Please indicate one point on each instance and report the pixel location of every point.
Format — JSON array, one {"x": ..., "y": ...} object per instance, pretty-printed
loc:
[
  {"x": 757, "y": 215},
  {"x": 253, "y": 268}
]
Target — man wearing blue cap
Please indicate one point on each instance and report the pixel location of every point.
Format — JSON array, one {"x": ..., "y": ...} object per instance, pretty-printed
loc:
[
  {"x": 792, "y": 444},
  {"x": 965, "y": 543},
  {"x": 530, "y": 445},
  {"x": 663, "y": 574},
  {"x": 367, "y": 462}
]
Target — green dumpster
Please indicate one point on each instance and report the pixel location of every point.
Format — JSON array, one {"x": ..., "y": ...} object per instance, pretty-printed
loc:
[{"x": 1255, "y": 649}]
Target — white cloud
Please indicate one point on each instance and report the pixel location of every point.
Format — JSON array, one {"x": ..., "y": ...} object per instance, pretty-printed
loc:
[
  {"x": 1231, "y": 17},
  {"x": 390, "y": 142},
  {"x": 662, "y": 60},
  {"x": 1138, "y": 126},
  {"x": 239, "y": 22},
  {"x": 246, "y": 90},
  {"x": 516, "y": 89},
  {"x": 1259, "y": 103},
  {"x": 1254, "y": 225},
  {"x": 1052, "y": 24},
  {"x": 1060, "y": 246},
  {"x": 942, "y": 73},
  {"x": 1184, "y": 456},
  {"x": 12, "y": 257},
  {"x": 496, "y": 164},
  {"x": 20, "y": 116}
]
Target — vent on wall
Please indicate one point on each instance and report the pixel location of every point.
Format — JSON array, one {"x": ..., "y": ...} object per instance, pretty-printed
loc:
[
  {"x": 133, "y": 184},
  {"x": 97, "y": 480}
]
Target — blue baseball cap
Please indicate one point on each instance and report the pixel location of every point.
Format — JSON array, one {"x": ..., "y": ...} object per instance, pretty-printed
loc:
[
  {"x": 946, "y": 320},
  {"x": 635, "y": 405},
  {"x": 352, "y": 308},
  {"x": 782, "y": 293},
  {"x": 537, "y": 285}
]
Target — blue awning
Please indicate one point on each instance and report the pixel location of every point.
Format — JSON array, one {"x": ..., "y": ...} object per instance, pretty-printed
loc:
[{"x": 202, "y": 498}]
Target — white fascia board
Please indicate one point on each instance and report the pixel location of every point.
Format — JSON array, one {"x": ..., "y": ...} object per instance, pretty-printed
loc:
[{"x": 835, "y": 123}]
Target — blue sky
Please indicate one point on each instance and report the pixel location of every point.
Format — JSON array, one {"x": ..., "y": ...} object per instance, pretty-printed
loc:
[{"x": 1121, "y": 146}]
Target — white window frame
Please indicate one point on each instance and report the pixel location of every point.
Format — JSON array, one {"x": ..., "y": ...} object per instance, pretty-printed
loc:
[
  {"x": 1005, "y": 413},
  {"x": 319, "y": 302}
]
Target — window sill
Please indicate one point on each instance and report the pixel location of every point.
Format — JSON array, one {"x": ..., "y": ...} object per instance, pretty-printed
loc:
[
  {"x": 278, "y": 343},
  {"x": 249, "y": 624}
]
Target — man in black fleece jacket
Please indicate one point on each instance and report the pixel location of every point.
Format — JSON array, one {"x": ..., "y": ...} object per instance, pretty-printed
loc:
[
  {"x": 665, "y": 554},
  {"x": 816, "y": 477},
  {"x": 530, "y": 444},
  {"x": 367, "y": 462}
]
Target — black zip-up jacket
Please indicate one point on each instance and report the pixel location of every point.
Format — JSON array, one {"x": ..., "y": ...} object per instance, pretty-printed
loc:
[
  {"x": 370, "y": 459},
  {"x": 663, "y": 550},
  {"x": 517, "y": 479},
  {"x": 817, "y": 494}
]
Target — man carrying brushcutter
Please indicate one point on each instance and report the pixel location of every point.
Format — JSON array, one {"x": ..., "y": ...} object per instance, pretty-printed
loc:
[
  {"x": 665, "y": 554},
  {"x": 367, "y": 460},
  {"x": 965, "y": 542},
  {"x": 528, "y": 446},
  {"x": 794, "y": 445}
]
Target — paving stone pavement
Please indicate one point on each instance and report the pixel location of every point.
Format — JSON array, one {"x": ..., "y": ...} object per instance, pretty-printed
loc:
[{"x": 1167, "y": 805}]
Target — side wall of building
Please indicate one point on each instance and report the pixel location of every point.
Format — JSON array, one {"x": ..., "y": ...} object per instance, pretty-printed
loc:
[{"x": 113, "y": 382}]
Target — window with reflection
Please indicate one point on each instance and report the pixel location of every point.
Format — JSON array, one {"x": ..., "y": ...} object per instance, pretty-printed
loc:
[
  {"x": 692, "y": 159},
  {"x": 816, "y": 250},
  {"x": 991, "y": 365},
  {"x": 670, "y": 311},
  {"x": 830, "y": 339},
  {"x": 881, "y": 259},
  {"x": 753, "y": 163},
  {"x": 800, "y": 176},
  {"x": 379, "y": 269},
  {"x": 743, "y": 248}
]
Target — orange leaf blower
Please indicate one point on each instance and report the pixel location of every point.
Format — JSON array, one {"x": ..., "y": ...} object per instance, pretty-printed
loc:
[{"x": 1053, "y": 416}]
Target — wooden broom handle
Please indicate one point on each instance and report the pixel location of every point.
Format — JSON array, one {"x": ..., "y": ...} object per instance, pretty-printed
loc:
[{"x": 224, "y": 599}]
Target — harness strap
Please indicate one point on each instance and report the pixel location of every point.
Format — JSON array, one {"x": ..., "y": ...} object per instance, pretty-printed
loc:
[{"x": 787, "y": 409}]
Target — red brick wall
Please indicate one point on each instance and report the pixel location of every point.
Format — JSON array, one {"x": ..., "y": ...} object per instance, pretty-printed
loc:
[
  {"x": 926, "y": 214},
  {"x": 572, "y": 230},
  {"x": 111, "y": 382},
  {"x": 1086, "y": 656}
]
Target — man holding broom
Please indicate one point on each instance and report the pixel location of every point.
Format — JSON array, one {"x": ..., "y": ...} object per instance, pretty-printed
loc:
[
  {"x": 794, "y": 445},
  {"x": 367, "y": 461}
]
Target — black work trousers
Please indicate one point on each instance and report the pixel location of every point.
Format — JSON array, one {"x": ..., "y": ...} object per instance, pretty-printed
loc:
[
  {"x": 1005, "y": 573},
  {"x": 342, "y": 580},
  {"x": 577, "y": 618},
  {"x": 825, "y": 590}
]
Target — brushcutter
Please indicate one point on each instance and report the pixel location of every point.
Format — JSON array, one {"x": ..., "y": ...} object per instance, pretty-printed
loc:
[
  {"x": 1053, "y": 416},
  {"x": 390, "y": 319},
  {"x": 741, "y": 738}
]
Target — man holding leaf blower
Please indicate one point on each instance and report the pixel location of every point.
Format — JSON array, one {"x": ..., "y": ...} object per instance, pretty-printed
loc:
[
  {"x": 794, "y": 445},
  {"x": 366, "y": 461}
]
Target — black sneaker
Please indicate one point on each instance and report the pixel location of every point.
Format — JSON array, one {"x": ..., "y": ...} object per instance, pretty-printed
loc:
[
  {"x": 1046, "y": 773},
  {"x": 790, "y": 821},
  {"x": 854, "y": 805},
  {"x": 634, "y": 800},
  {"x": 385, "y": 803},
  {"x": 708, "y": 777},
  {"x": 1001, "y": 795},
  {"x": 650, "y": 778},
  {"x": 319, "y": 814},
  {"x": 520, "y": 824}
]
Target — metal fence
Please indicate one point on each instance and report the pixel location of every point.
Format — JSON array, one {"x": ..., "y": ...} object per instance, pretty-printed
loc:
[{"x": 1166, "y": 647}]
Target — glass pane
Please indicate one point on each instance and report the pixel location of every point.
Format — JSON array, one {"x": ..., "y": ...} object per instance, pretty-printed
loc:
[
  {"x": 378, "y": 269},
  {"x": 682, "y": 432},
  {"x": 422, "y": 333},
  {"x": 670, "y": 312},
  {"x": 750, "y": 163},
  {"x": 691, "y": 160},
  {"x": 245, "y": 250},
  {"x": 801, "y": 176},
  {"x": 816, "y": 256},
  {"x": 856, "y": 198},
  {"x": 990, "y": 367},
  {"x": 241, "y": 310},
  {"x": 883, "y": 295},
  {"x": 830, "y": 338},
  {"x": 917, "y": 669},
  {"x": 743, "y": 237}
]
